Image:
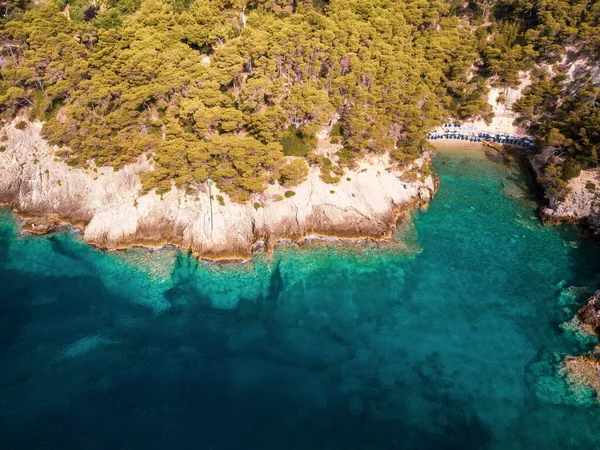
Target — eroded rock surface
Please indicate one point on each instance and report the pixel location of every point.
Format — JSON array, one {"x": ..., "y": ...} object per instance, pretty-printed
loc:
[
  {"x": 108, "y": 207},
  {"x": 579, "y": 203},
  {"x": 584, "y": 370},
  {"x": 589, "y": 314}
]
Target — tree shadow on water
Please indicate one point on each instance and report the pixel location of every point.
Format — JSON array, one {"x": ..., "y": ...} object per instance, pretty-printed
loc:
[
  {"x": 14, "y": 287},
  {"x": 197, "y": 377}
]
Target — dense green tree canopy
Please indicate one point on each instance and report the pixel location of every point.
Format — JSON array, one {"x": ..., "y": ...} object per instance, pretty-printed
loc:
[{"x": 213, "y": 88}]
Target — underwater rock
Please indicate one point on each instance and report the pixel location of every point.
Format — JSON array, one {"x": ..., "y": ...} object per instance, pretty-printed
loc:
[
  {"x": 40, "y": 225},
  {"x": 584, "y": 370}
]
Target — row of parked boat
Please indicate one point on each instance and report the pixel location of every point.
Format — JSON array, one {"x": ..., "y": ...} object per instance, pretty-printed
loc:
[{"x": 499, "y": 138}]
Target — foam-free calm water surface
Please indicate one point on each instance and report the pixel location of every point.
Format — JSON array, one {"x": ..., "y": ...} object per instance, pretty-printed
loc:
[{"x": 455, "y": 345}]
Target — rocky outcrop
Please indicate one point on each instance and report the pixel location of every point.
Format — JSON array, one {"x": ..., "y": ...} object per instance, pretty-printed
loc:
[
  {"x": 578, "y": 203},
  {"x": 108, "y": 207},
  {"x": 589, "y": 314},
  {"x": 584, "y": 370}
]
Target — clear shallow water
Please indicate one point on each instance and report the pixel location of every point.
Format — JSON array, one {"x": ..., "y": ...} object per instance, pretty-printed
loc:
[{"x": 455, "y": 345}]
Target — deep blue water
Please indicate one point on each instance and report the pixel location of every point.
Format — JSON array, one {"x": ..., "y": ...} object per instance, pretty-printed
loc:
[{"x": 454, "y": 342}]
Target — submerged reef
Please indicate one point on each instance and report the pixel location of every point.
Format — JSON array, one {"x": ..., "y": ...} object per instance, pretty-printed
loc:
[{"x": 584, "y": 370}]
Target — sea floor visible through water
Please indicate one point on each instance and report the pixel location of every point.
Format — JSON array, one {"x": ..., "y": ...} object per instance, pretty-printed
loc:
[{"x": 454, "y": 342}]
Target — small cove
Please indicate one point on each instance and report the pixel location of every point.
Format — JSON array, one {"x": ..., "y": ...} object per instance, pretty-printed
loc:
[{"x": 454, "y": 343}]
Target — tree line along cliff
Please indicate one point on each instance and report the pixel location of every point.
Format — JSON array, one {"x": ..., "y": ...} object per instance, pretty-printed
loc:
[{"x": 236, "y": 90}]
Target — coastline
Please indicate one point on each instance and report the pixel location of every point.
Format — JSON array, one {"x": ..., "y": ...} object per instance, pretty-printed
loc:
[
  {"x": 454, "y": 146},
  {"x": 106, "y": 206}
]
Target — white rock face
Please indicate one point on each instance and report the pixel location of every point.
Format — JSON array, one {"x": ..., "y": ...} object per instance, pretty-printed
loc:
[
  {"x": 108, "y": 206},
  {"x": 504, "y": 116}
]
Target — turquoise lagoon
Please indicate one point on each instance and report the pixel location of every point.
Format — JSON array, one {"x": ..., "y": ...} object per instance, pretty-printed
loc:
[{"x": 452, "y": 342}]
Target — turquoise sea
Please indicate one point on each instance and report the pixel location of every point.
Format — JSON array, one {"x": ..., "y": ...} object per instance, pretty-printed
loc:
[{"x": 452, "y": 341}]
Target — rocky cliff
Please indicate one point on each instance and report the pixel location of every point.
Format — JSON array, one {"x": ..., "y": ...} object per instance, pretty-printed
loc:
[
  {"x": 578, "y": 203},
  {"x": 108, "y": 207}
]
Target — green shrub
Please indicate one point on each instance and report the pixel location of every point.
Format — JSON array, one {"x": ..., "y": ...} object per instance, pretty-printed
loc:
[
  {"x": 328, "y": 178},
  {"x": 37, "y": 112},
  {"x": 289, "y": 194},
  {"x": 590, "y": 186},
  {"x": 221, "y": 200},
  {"x": 336, "y": 131},
  {"x": 21, "y": 125},
  {"x": 570, "y": 169},
  {"x": 2, "y": 148},
  {"x": 257, "y": 206},
  {"x": 297, "y": 143},
  {"x": 332, "y": 192},
  {"x": 293, "y": 173},
  {"x": 326, "y": 168},
  {"x": 346, "y": 155}
]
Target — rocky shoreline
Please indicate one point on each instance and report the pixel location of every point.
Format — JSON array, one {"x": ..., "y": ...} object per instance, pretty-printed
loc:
[
  {"x": 579, "y": 203},
  {"x": 106, "y": 205}
]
